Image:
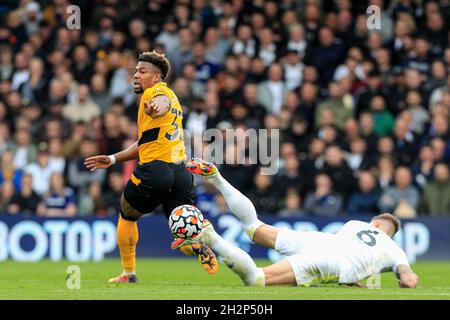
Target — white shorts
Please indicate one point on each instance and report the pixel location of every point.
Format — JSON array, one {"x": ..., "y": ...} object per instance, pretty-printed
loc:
[{"x": 309, "y": 254}]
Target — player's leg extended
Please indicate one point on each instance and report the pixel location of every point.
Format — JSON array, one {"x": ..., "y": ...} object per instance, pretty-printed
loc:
[
  {"x": 240, "y": 205},
  {"x": 235, "y": 258},
  {"x": 182, "y": 192},
  {"x": 280, "y": 273},
  {"x": 127, "y": 238}
]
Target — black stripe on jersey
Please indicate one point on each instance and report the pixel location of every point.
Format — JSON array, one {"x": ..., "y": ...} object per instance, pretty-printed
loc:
[{"x": 149, "y": 136}]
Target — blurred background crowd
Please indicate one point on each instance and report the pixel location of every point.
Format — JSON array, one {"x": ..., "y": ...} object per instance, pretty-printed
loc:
[{"x": 363, "y": 113}]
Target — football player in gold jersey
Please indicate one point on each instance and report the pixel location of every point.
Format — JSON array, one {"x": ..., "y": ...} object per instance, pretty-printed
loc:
[{"x": 160, "y": 177}]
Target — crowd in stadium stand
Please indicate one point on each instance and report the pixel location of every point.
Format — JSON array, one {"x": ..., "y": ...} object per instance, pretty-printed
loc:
[{"x": 363, "y": 113}]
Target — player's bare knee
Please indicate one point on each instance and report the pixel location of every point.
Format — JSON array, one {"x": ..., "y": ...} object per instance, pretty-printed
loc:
[
  {"x": 266, "y": 236},
  {"x": 127, "y": 212}
]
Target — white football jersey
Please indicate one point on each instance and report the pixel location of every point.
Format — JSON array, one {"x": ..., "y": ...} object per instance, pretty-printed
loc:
[{"x": 363, "y": 250}]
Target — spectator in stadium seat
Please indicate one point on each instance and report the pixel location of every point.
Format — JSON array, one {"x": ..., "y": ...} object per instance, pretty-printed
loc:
[
  {"x": 440, "y": 149},
  {"x": 112, "y": 196},
  {"x": 289, "y": 177},
  {"x": 257, "y": 73},
  {"x": 434, "y": 32},
  {"x": 214, "y": 112},
  {"x": 216, "y": 47},
  {"x": 437, "y": 94},
  {"x": 292, "y": 206},
  {"x": 78, "y": 175},
  {"x": 335, "y": 103},
  {"x": 137, "y": 30},
  {"x": 230, "y": 67},
  {"x": 351, "y": 132},
  {"x": 8, "y": 172},
  {"x": 40, "y": 170},
  {"x": 383, "y": 119},
  {"x": 351, "y": 67},
  {"x": 402, "y": 192},
  {"x": 309, "y": 160},
  {"x": 7, "y": 193},
  {"x": 268, "y": 51},
  {"x": 358, "y": 158},
  {"x": 328, "y": 55},
  {"x": 56, "y": 160},
  {"x": 14, "y": 103},
  {"x": 414, "y": 81},
  {"x": 419, "y": 115},
  {"x": 59, "y": 201},
  {"x": 91, "y": 201},
  {"x": 421, "y": 60},
  {"x": 264, "y": 195},
  {"x": 250, "y": 100},
  {"x": 437, "y": 79},
  {"x": 111, "y": 141},
  {"x": 422, "y": 169},
  {"x": 384, "y": 63},
  {"x": 244, "y": 43},
  {"x": 436, "y": 195},
  {"x": 24, "y": 150},
  {"x": 21, "y": 73},
  {"x": 183, "y": 54},
  {"x": 24, "y": 200},
  {"x": 308, "y": 102},
  {"x": 297, "y": 40},
  {"x": 99, "y": 93},
  {"x": 6, "y": 62},
  {"x": 272, "y": 91},
  {"x": 439, "y": 127},
  {"x": 84, "y": 109},
  {"x": 293, "y": 69},
  {"x": 36, "y": 89},
  {"x": 82, "y": 68},
  {"x": 323, "y": 201},
  {"x": 196, "y": 119},
  {"x": 337, "y": 168},
  {"x": 385, "y": 172},
  {"x": 204, "y": 69},
  {"x": 54, "y": 125},
  {"x": 405, "y": 142},
  {"x": 298, "y": 133},
  {"x": 365, "y": 95},
  {"x": 4, "y": 135},
  {"x": 365, "y": 201},
  {"x": 360, "y": 32},
  {"x": 385, "y": 148},
  {"x": 169, "y": 37}
]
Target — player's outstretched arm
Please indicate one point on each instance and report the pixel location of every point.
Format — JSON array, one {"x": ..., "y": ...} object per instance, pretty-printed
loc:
[
  {"x": 406, "y": 277},
  {"x": 104, "y": 162}
]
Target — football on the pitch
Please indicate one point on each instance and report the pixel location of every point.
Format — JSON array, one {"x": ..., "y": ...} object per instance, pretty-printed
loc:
[{"x": 186, "y": 222}]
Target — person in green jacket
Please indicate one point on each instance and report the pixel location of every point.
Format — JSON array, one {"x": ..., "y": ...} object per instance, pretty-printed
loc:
[
  {"x": 382, "y": 118},
  {"x": 436, "y": 195}
]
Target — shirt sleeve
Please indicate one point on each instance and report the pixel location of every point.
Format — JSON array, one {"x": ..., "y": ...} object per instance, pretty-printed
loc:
[
  {"x": 398, "y": 257},
  {"x": 152, "y": 92}
]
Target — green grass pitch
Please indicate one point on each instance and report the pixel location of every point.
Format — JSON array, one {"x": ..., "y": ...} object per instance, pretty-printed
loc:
[{"x": 185, "y": 279}]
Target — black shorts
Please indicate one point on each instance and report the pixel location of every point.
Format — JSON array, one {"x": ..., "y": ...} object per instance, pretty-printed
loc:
[{"x": 157, "y": 183}]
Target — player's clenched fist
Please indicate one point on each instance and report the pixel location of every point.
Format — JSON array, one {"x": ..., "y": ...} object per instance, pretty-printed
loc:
[{"x": 98, "y": 162}]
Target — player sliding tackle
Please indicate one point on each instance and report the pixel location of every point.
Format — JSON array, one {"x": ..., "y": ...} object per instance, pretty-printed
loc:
[{"x": 356, "y": 252}]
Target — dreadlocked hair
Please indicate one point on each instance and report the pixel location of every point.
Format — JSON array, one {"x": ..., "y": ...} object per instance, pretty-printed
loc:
[{"x": 157, "y": 59}]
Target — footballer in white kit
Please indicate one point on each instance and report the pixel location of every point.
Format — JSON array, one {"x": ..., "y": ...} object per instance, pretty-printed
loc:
[{"x": 356, "y": 252}]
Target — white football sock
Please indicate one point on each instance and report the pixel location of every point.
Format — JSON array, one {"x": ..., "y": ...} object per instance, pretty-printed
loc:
[
  {"x": 235, "y": 258},
  {"x": 240, "y": 205}
]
